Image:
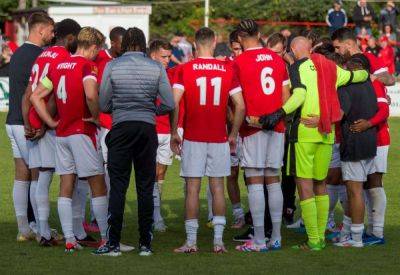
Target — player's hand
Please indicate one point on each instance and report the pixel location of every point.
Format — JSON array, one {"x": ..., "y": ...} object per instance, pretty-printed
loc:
[
  {"x": 92, "y": 120},
  {"x": 232, "y": 144},
  {"x": 176, "y": 144},
  {"x": 29, "y": 132},
  {"x": 39, "y": 133},
  {"x": 269, "y": 122},
  {"x": 311, "y": 121},
  {"x": 360, "y": 125},
  {"x": 372, "y": 77}
]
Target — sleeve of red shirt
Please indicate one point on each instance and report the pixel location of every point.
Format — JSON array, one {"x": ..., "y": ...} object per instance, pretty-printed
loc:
[
  {"x": 235, "y": 86},
  {"x": 383, "y": 107},
  {"x": 178, "y": 79},
  {"x": 89, "y": 71},
  {"x": 377, "y": 65}
]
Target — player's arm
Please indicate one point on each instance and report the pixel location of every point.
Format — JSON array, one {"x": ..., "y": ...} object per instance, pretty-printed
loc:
[
  {"x": 238, "y": 116},
  {"x": 106, "y": 91},
  {"x": 174, "y": 116},
  {"x": 345, "y": 77},
  {"x": 90, "y": 87},
  {"x": 386, "y": 78},
  {"x": 167, "y": 103},
  {"x": 38, "y": 101},
  {"x": 26, "y": 105},
  {"x": 285, "y": 93},
  {"x": 51, "y": 105}
]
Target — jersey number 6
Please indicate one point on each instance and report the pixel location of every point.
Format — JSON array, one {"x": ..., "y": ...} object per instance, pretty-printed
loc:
[{"x": 267, "y": 82}]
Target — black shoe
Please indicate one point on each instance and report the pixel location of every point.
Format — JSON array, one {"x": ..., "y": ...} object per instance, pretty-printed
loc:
[
  {"x": 145, "y": 250},
  {"x": 88, "y": 241},
  {"x": 246, "y": 236},
  {"x": 107, "y": 250},
  {"x": 48, "y": 243}
]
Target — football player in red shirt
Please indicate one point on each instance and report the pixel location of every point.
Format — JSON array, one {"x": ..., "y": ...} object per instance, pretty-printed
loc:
[
  {"x": 374, "y": 192},
  {"x": 206, "y": 84},
  {"x": 77, "y": 155},
  {"x": 265, "y": 83},
  {"x": 161, "y": 51},
  {"x": 66, "y": 32},
  {"x": 345, "y": 43}
]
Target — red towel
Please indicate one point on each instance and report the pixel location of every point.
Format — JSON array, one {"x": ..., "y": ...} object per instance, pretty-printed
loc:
[{"x": 329, "y": 105}]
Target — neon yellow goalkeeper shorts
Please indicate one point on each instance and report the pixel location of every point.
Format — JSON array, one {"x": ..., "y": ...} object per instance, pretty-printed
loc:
[{"x": 309, "y": 160}]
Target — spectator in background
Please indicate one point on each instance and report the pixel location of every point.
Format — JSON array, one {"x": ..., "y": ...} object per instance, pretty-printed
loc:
[
  {"x": 386, "y": 54},
  {"x": 373, "y": 47},
  {"x": 390, "y": 34},
  {"x": 5, "y": 58},
  {"x": 363, "y": 38},
  {"x": 177, "y": 53},
  {"x": 363, "y": 15},
  {"x": 388, "y": 15},
  {"x": 186, "y": 48},
  {"x": 336, "y": 17},
  {"x": 222, "y": 48}
]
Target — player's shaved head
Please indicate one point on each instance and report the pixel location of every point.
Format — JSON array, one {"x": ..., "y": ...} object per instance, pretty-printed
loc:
[
  {"x": 205, "y": 37},
  {"x": 301, "y": 47}
]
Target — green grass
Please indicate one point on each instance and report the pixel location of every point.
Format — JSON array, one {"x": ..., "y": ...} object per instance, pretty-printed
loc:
[{"x": 30, "y": 258}]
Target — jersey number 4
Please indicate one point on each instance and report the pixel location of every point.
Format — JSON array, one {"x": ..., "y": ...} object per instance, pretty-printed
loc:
[
  {"x": 61, "y": 91},
  {"x": 202, "y": 84},
  {"x": 267, "y": 82}
]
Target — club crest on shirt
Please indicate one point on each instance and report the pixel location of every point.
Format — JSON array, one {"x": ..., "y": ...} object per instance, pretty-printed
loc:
[{"x": 94, "y": 70}]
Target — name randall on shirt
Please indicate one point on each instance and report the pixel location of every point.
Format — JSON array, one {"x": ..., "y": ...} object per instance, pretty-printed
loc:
[
  {"x": 67, "y": 66},
  {"x": 209, "y": 67}
]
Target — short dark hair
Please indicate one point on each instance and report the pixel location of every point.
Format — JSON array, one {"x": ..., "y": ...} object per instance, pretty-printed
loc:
[
  {"x": 66, "y": 27},
  {"x": 204, "y": 35},
  {"x": 39, "y": 18},
  {"x": 248, "y": 28},
  {"x": 275, "y": 39},
  {"x": 311, "y": 35},
  {"x": 158, "y": 44},
  {"x": 234, "y": 37},
  {"x": 343, "y": 34},
  {"x": 134, "y": 40},
  {"x": 117, "y": 32}
]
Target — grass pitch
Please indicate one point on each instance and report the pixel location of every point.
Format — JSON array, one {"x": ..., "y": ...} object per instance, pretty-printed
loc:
[{"x": 24, "y": 258}]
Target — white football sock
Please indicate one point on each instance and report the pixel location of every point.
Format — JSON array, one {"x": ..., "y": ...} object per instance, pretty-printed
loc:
[
  {"x": 77, "y": 222},
  {"x": 191, "y": 227},
  {"x": 346, "y": 228},
  {"x": 32, "y": 196},
  {"x": 368, "y": 210},
  {"x": 42, "y": 201},
  {"x": 219, "y": 223},
  {"x": 275, "y": 202},
  {"x": 343, "y": 197},
  {"x": 65, "y": 214},
  {"x": 357, "y": 231},
  {"x": 157, "y": 204},
  {"x": 100, "y": 210},
  {"x": 257, "y": 209},
  {"x": 160, "y": 185},
  {"x": 333, "y": 193},
  {"x": 209, "y": 203},
  {"x": 237, "y": 211},
  {"x": 83, "y": 191},
  {"x": 378, "y": 202},
  {"x": 20, "y": 198}
]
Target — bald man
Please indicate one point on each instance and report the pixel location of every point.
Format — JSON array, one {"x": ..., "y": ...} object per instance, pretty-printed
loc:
[{"x": 310, "y": 149}]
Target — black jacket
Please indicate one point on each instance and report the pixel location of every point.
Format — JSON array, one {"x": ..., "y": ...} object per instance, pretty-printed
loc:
[{"x": 360, "y": 12}]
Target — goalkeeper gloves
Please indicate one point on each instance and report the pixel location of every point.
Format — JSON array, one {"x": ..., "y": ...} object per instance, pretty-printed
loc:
[{"x": 269, "y": 122}]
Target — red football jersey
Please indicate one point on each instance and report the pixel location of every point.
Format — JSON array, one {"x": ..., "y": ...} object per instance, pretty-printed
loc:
[
  {"x": 43, "y": 64},
  {"x": 162, "y": 122},
  {"x": 262, "y": 74},
  {"x": 101, "y": 61},
  {"x": 376, "y": 65},
  {"x": 67, "y": 79},
  {"x": 207, "y": 84},
  {"x": 383, "y": 135}
]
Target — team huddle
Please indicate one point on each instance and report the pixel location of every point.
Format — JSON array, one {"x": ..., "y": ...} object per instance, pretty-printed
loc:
[{"x": 317, "y": 113}]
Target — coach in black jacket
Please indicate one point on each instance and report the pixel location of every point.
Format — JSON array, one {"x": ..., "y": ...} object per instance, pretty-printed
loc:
[{"x": 129, "y": 89}]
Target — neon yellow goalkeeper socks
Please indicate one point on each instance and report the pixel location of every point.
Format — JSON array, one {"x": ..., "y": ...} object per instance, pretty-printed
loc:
[
  {"x": 309, "y": 215},
  {"x": 322, "y": 204}
]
